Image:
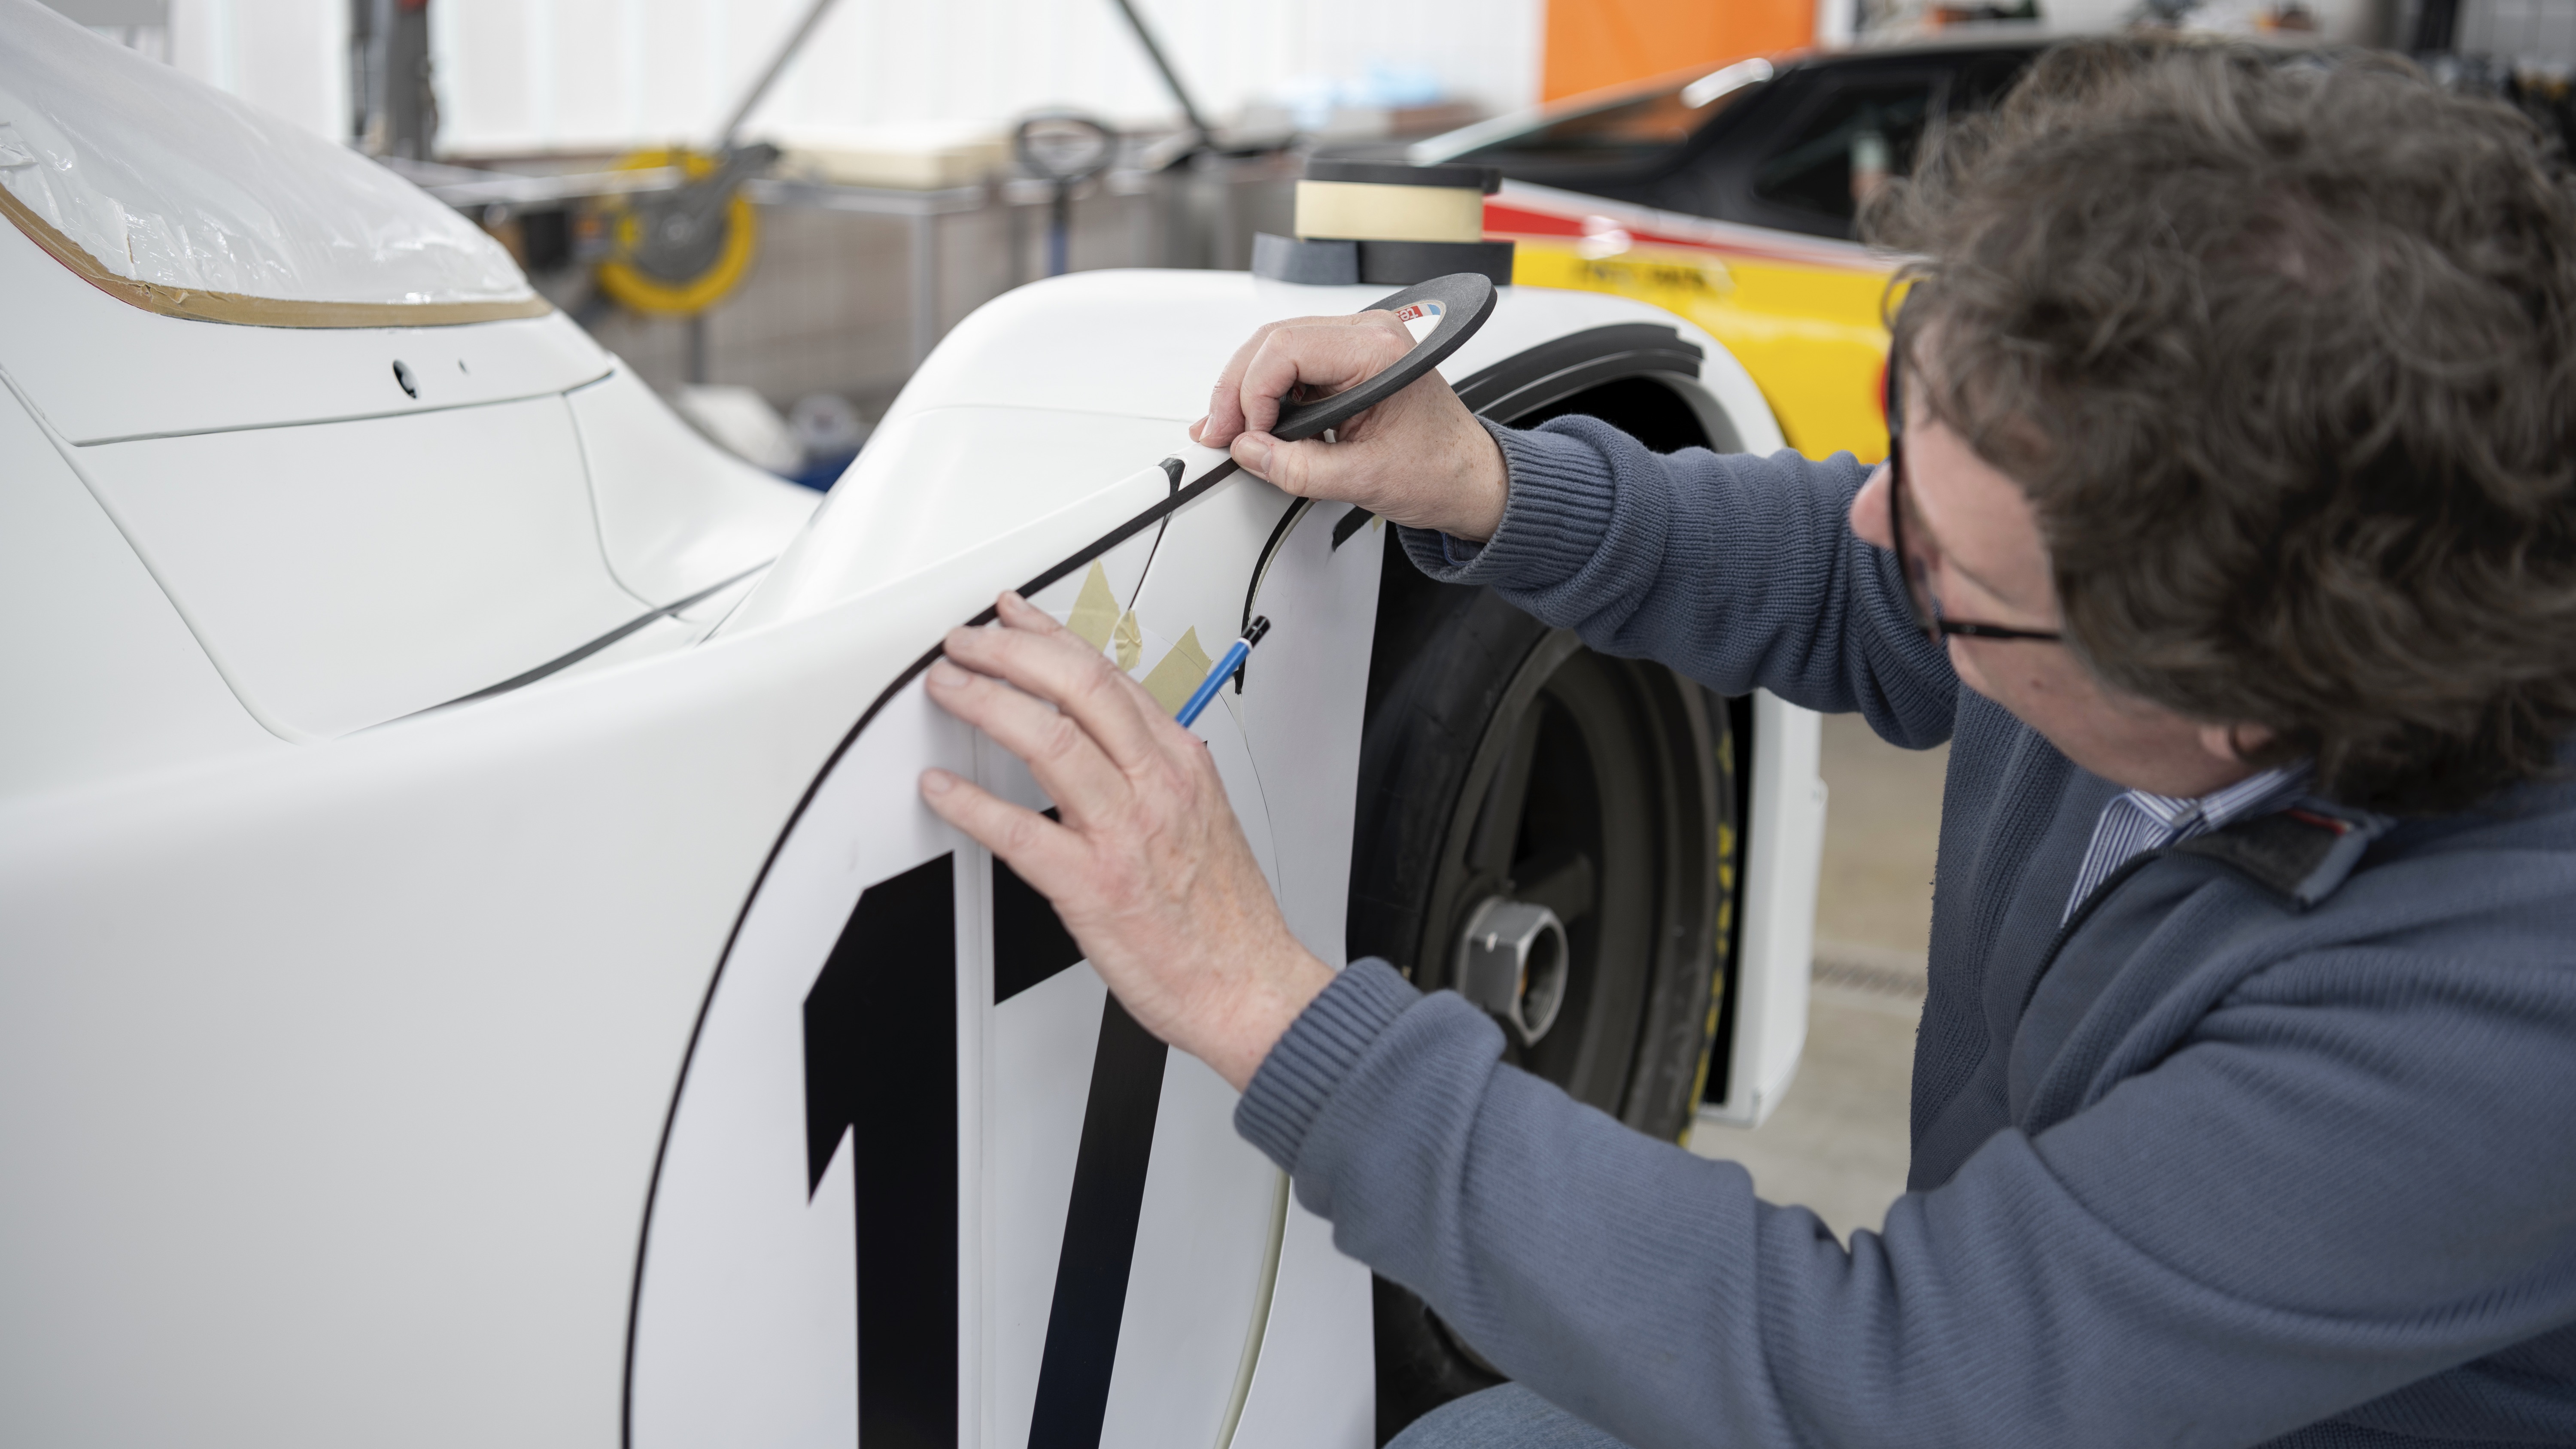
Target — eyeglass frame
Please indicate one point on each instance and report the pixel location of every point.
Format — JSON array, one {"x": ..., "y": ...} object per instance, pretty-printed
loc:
[{"x": 1918, "y": 591}]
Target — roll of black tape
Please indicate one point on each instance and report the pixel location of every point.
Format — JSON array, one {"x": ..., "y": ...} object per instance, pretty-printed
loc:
[
  {"x": 1454, "y": 305},
  {"x": 1487, "y": 179},
  {"x": 1313, "y": 263},
  {"x": 1402, "y": 263}
]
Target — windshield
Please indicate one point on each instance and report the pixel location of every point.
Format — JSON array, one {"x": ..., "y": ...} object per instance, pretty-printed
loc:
[
  {"x": 174, "y": 196},
  {"x": 1631, "y": 125}
]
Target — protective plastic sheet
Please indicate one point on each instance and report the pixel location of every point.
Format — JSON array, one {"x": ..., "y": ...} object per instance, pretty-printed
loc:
[{"x": 181, "y": 199}]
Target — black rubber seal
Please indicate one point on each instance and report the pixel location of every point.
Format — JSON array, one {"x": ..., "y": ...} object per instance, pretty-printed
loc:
[{"x": 1558, "y": 369}]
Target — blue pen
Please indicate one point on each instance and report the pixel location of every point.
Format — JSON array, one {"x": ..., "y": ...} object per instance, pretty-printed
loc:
[{"x": 1235, "y": 654}]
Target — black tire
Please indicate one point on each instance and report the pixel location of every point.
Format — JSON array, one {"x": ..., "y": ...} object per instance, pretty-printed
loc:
[{"x": 1502, "y": 757}]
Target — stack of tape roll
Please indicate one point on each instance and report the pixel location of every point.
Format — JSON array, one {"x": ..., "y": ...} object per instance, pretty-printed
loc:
[{"x": 1386, "y": 224}]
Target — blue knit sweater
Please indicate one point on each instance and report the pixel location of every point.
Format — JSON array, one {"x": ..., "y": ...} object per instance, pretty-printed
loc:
[{"x": 2215, "y": 1169}]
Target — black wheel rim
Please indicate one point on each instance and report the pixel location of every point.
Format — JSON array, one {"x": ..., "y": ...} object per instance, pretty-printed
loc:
[{"x": 1589, "y": 793}]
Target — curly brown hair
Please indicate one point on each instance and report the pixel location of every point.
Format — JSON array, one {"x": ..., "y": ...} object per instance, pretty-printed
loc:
[{"x": 2283, "y": 348}]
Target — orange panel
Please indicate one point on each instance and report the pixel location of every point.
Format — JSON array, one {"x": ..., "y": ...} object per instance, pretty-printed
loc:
[{"x": 1596, "y": 43}]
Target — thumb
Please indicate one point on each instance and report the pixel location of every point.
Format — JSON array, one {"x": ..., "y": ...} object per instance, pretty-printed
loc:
[
  {"x": 1252, "y": 450},
  {"x": 1312, "y": 468}
]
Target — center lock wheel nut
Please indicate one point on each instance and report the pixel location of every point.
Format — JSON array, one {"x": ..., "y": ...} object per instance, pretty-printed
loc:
[{"x": 1512, "y": 962}]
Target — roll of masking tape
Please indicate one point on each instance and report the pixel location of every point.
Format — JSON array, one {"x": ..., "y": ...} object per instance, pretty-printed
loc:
[{"x": 1368, "y": 211}]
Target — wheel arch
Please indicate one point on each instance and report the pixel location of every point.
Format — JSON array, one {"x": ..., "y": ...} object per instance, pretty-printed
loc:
[{"x": 1671, "y": 387}]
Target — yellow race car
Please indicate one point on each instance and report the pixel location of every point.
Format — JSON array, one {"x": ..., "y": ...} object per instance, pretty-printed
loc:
[{"x": 1727, "y": 197}]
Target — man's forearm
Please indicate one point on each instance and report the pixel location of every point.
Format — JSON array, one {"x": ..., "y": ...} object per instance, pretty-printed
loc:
[{"x": 1738, "y": 570}]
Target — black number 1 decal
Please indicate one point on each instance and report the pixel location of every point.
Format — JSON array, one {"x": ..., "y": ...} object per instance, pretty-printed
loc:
[
  {"x": 881, "y": 1067},
  {"x": 1031, "y": 945}
]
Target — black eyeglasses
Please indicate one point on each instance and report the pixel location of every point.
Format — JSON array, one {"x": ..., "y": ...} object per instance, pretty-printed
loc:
[{"x": 1918, "y": 585}]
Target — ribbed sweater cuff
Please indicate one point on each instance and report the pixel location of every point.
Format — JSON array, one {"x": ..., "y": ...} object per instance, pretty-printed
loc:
[
  {"x": 1303, "y": 1071},
  {"x": 1555, "y": 515}
]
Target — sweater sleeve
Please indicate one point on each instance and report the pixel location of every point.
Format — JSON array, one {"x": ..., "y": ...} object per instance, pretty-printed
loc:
[
  {"x": 2265, "y": 1230},
  {"x": 1739, "y": 571}
]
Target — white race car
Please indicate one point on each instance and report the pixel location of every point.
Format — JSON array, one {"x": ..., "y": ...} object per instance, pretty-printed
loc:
[{"x": 474, "y": 968}]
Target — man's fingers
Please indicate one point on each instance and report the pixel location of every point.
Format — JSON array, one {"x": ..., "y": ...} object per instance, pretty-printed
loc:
[
  {"x": 1018, "y": 613},
  {"x": 1068, "y": 763},
  {"x": 1329, "y": 353},
  {"x": 1046, "y": 855},
  {"x": 1048, "y": 661},
  {"x": 1330, "y": 358},
  {"x": 1309, "y": 469},
  {"x": 1227, "y": 404},
  {"x": 1225, "y": 411}
]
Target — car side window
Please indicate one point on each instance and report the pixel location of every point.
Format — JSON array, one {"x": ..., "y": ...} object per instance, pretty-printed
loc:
[
  {"x": 1621, "y": 133},
  {"x": 1861, "y": 136},
  {"x": 1982, "y": 82}
]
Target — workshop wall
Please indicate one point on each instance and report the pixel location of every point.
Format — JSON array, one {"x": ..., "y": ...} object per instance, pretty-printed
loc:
[
  {"x": 827, "y": 306},
  {"x": 287, "y": 57},
  {"x": 536, "y": 75}
]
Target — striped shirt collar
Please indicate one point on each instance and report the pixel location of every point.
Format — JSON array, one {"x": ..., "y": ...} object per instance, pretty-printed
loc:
[{"x": 2137, "y": 822}]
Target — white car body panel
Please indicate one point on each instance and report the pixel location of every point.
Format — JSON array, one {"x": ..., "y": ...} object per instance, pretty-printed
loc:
[
  {"x": 345, "y": 554},
  {"x": 97, "y": 370},
  {"x": 344, "y": 574},
  {"x": 930, "y": 484},
  {"x": 675, "y": 517},
  {"x": 403, "y": 1013},
  {"x": 1786, "y": 815},
  {"x": 104, "y": 677},
  {"x": 1152, "y": 343},
  {"x": 435, "y": 1080},
  {"x": 1317, "y": 1347}
]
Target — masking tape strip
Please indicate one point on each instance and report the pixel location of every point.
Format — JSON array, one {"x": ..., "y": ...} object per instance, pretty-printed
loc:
[
  {"x": 1095, "y": 609},
  {"x": 255, "y": 311},
  {"x": 1130, "y": 638},
  {"x": 1180, "y": 673},
  {"x": 1366, "y": 211}
]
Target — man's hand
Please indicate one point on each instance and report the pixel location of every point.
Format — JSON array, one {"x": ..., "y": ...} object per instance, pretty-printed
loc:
[
  {"x": 1149, "y": 869},
  {"x": 1419, "y": 458}
]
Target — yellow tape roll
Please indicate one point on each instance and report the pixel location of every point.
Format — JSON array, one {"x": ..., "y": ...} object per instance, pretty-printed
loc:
[{"x": 1366, "y": 211}]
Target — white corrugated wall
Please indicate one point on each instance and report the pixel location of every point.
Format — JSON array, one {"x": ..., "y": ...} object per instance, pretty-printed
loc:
[
  {"x": 288, "y": 57},
  {"x": 538, "y": 75},
  {"x": 529, "y": 75}
]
